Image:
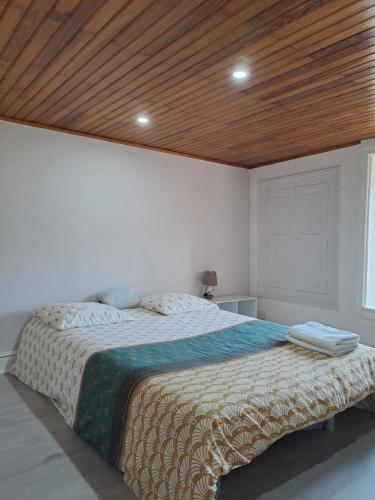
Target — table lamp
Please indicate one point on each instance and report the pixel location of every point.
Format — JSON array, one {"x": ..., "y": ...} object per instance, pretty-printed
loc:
[{"x": 210, "y": 280}]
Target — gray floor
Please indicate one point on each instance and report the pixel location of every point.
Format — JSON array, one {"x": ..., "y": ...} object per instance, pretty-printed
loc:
[{"x": 42, "y": 459}]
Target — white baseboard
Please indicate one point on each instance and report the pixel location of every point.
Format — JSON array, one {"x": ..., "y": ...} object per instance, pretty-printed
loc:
[{"x": 6, "y": 360}]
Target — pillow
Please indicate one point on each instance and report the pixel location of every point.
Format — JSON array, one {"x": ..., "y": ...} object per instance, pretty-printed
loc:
[
  {"x": 75, "y": 314},
  {"x": 175, "y": 303},
  {"x": 121, "y": 298}
]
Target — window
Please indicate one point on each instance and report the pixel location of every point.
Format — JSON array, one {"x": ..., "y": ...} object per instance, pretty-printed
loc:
[
  {"x": 298, "y": 238},
  {"x": 365, "y": 290},
  {"x": 369, "y": 278}
]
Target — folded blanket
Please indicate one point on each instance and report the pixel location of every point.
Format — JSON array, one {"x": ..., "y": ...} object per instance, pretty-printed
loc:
[
  {"x": 326, "y": 337},
  {"x": 338, "y": 351}
]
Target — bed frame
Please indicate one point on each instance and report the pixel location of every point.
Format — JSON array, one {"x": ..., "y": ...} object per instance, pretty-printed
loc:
[{"x": 327, "y": 425}]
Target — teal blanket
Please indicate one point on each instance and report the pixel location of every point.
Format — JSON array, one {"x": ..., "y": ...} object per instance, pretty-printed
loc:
[{"x": 111, "y": 376}]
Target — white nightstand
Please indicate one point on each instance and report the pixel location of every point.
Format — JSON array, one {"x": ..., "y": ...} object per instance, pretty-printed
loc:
[{"x": 241, "y": 304}]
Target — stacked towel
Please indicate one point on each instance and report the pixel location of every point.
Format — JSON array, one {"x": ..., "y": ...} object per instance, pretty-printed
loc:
[{"x": 321, "y": 338}]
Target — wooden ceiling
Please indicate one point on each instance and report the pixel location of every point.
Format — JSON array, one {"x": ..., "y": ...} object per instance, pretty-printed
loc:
[{"x": 90, "y": 66}]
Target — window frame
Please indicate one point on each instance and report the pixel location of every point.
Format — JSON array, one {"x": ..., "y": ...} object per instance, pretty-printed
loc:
[{"x": 367, "y": 149}]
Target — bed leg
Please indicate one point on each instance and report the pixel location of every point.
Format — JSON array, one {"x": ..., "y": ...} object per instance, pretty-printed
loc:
[
  {"x": 218, "y": 488},
  {"x": 329, "y": 425}
]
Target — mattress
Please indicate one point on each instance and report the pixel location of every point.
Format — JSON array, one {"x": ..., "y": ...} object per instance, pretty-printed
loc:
[{"x": 187, "y": 427}]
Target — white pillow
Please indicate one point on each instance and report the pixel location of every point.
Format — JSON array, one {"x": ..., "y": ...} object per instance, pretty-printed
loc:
[
  {"x": 121, "y": 297},
  {"x": 74, "y": 314},
  {"x": 175, "y": 303}
]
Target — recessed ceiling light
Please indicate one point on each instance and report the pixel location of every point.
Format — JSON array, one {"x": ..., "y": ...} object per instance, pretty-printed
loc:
[
  {"x": 240, "y": 74},
  {"x": 143, "y": 120}
]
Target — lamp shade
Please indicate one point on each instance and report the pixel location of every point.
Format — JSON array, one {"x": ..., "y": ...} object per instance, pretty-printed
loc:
[{"x": 210, "y": 278}]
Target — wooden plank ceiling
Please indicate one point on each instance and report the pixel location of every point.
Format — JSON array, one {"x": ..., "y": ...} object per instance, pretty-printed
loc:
[{"x": 91, "y": 66}]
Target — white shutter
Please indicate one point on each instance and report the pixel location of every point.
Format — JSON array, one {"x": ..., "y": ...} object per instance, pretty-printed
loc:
[
  {"x": 312, "y": 242},
  {"x": 280, "y": 237},
  {"x": 298, "y": 238}
]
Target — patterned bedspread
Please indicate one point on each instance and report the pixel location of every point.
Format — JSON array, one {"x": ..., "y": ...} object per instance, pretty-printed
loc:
[
  {"x": 186, "y": 428},
  {"x": 111, "y": 376}
]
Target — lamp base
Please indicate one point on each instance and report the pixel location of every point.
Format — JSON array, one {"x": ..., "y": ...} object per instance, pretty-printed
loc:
[{"x": 209, "y": 292}]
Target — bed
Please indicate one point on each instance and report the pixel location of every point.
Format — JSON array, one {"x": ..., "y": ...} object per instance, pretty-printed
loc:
[{"x": 206, "y": 392}]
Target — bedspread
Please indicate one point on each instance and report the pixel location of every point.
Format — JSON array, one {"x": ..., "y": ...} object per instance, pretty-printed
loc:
[
  {"x": 52, "y": 361},
  {"x": 185, "y": 428},
  {"x": 112, "y": 375}
]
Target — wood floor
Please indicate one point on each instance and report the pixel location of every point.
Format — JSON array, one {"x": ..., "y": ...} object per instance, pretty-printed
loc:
[{"x": 42, "y": 459}]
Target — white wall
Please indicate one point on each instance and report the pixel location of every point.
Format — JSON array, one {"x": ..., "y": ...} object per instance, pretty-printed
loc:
[
  {"x": 345, "y": 316},
  {"x": 79, "y": 215}
]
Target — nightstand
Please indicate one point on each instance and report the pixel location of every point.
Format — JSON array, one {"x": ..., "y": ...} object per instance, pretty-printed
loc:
[{"x": 240, "y": 304}]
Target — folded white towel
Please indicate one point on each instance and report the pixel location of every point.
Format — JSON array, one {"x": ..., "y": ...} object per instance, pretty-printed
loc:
[
  {"x": 339, "y": 351},
  {"x": 323, "y": 336}
]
